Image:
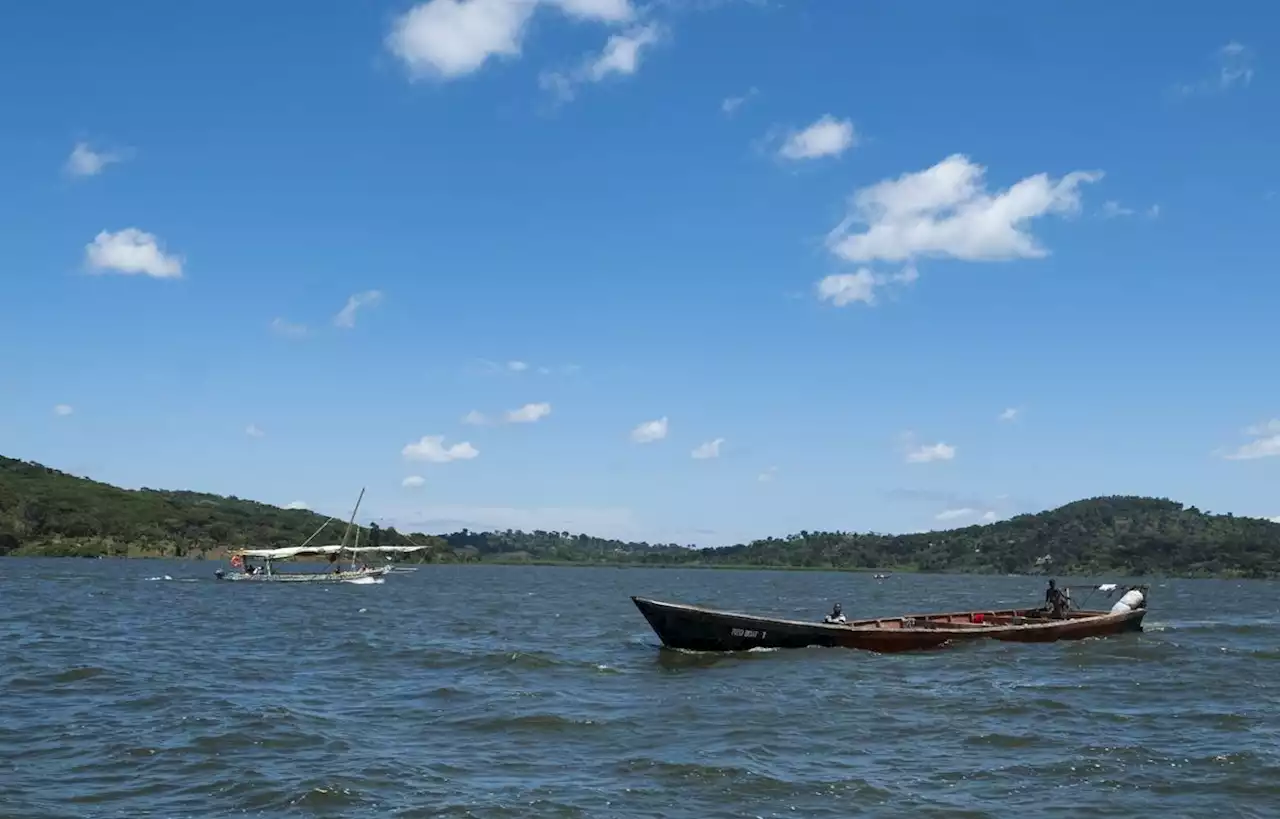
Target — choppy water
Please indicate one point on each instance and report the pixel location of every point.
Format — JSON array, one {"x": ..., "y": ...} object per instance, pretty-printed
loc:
[{"x": 540, "y": 692}]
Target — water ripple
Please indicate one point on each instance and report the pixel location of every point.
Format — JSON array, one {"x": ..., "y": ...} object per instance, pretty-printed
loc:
[{"x": 540, "y": 692}]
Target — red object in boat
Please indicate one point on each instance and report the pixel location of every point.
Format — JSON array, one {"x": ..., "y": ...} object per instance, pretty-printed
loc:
[{"x": 978, "y": 616}]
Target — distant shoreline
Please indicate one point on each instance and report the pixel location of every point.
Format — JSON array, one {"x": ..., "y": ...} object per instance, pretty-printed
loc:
[{"x": 733, "y": 567}]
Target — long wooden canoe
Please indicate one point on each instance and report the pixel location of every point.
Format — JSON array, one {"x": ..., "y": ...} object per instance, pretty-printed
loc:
[{"x": 696, "y": 628}]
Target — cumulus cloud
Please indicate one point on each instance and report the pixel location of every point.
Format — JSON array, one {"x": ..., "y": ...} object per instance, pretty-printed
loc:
[
  {"x": 1233, "y": 68},
  {"x": 529, "y": 413},
  {"x": 131, "y": 252},
  {"x": 85, "y": 161},
  {"x": 1265, "y": 443},
  {"x": 413, "y": 482},
  {"x": 475, "y": 418},
  {"x": 620, "y": 56},
  {"x": 710, "y": 449},
  {"x": 945, "y": 211},
  {"x": 1010, "y": 414},
  {"x": 827, "y": 136},
  {"x": 731, "y": 104},
  {"x": 346, "y": 317},
  {"x": 431, "y": 448},
  {"x": 253, "y": 431},
  {"x": 650, "y": 431},
  {"x": 928, "y": 453},
  {"x": 842, "y": 289},
  {"x": 287, "y": 329},
  {"x": 449, "y": 39}
]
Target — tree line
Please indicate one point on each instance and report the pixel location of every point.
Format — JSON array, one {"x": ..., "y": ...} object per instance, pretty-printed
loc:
[{"x": 47, "y": 512}]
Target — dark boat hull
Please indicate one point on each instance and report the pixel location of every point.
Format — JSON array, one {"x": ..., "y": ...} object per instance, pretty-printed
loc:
[{"x": 694, "y": 628}]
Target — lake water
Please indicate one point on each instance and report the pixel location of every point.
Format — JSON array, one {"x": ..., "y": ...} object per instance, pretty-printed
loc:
[{"x": 474, "y": 691}]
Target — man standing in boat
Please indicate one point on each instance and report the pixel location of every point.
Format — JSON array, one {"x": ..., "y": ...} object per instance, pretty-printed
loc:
[{"x": 1055, "y": 601}]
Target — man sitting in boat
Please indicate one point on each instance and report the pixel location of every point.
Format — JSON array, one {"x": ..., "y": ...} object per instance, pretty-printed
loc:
[
  {"x": 1055, "y": 600},
  {"x": 836, "y": 616}
]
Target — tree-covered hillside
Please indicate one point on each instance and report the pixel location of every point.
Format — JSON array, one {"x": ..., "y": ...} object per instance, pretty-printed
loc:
[{"x": 46, "y": 512}]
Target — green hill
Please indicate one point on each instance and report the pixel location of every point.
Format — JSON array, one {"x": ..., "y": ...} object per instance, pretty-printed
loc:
[{"x": 47, "y": 512}]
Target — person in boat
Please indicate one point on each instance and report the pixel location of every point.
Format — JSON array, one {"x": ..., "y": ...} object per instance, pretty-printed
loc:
[
  {"x": 836, "y": 615},
  {"x": 1054, "y": 600}
]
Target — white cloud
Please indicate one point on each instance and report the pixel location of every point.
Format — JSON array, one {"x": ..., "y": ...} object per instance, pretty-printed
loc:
[
  {"x": 732, "y": 104},
  {"x": 63, "y": 410},
  {"x": 1276, "y": 519},
  {"x": 517, "y": 366},
  {"x": 413, "y": 482},
  {"x": 131, "y": 251},
  {"x": 296, "y": 505},
  {"x": 475, "y": 418},
  {"x": 827, "y": 136},
  {"x": 253, "y": 431},
  {"x": 956, "y": 514},
  {"x": 347, "y": 315},
  {"x": 621, "y": 53},
  {"x": 85, "y": 161},
  {"x": 604, "y": 11},
  {"x": 650, "y": 431},
  {"x": 767, "y": 475},
  {"x": 1265, "y": 443},
  {"x": 1010, "y": 414},
  {"x": 989, "y": 516},
  {"x": 945, "y": 211},
  {"x": 1112, "y": 209},
  {"x": 453, "y": 38},
  {"x": 284, "y": 328},
  {"x": 620, "y": 56},
  {"x": 710, "y": 449},
  {"x": 431, "y": 448},
  {"x": 448, "y": 39},
  {"x": 1235, "y": 67},
  {"x": 529, "y": 413},
  {"x": 842, "y": 289},
  {"x": 931, "y": 452}
]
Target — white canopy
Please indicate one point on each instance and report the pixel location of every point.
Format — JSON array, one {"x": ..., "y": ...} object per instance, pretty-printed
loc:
[
  {"x": 288, "y": 551},
  {"x": 297, "y": 551}
]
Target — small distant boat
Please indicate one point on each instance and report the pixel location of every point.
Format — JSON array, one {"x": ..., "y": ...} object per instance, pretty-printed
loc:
[
  {"x": 884, "y": 576},
  {"x": 696, "y": 628},
  {"x": 267, "y": 573}
]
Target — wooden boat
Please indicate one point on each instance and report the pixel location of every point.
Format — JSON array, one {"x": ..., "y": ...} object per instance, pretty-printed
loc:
[
  {"x": 267, "y": 573},
  {"x": 696, "y": 628}
]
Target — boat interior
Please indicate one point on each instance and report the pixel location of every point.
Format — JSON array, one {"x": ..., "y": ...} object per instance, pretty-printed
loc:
[{"x": 969, "y": 619}]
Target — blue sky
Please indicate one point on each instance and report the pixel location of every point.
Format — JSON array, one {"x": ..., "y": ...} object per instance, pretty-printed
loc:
[{"x": 911, "y": 265}]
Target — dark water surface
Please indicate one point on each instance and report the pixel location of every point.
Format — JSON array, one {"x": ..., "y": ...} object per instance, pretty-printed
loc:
[{"x": 541, "y": 692}]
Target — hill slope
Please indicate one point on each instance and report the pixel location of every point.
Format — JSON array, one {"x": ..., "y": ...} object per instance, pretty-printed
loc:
[{"x": 46, "y": 512}]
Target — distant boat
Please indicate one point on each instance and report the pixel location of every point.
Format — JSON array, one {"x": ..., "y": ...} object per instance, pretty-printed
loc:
[
  {"x": 885, "y": 576},
  {"x": 267, "y": 573},
  {"x": 696, "y": 628}
]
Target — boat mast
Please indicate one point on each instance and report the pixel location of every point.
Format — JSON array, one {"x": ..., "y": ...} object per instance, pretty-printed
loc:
[{"x": 349, "y": 525}]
